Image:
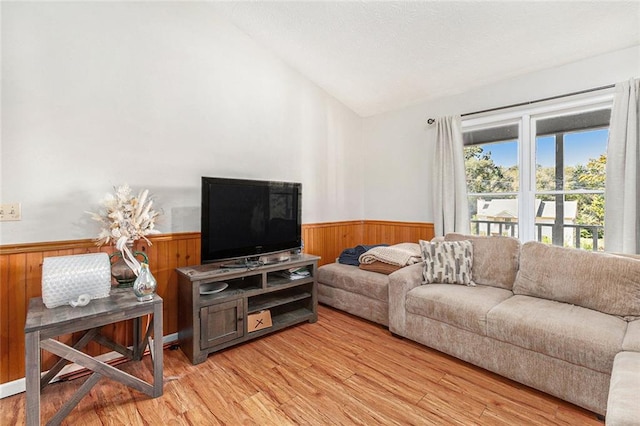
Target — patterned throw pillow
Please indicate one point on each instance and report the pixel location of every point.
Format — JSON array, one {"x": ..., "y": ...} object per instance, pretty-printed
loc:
[{"x": 447, "y": 262}]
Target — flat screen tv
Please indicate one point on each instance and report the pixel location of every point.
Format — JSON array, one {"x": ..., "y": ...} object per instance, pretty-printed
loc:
[{"x": 244, "y": 219}]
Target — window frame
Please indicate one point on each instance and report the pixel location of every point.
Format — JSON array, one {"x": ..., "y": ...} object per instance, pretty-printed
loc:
[{"x": 526, "y": 119}]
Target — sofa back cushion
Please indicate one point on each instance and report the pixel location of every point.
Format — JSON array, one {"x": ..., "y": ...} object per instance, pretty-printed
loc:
[
  {"x": 600, "y": 281},
  {"x": 495, "y": 259}
]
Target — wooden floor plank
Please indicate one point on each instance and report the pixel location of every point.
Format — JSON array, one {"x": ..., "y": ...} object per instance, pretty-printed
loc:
[
  {"x": 340, "y": 370},
  {"x": 327, "y": 401},
  {"x": 264, "y": 411},
  {"x": 451, "y": 404},
  {"x": 494, "y": 392},
  {"x": 302, "y": 411}
]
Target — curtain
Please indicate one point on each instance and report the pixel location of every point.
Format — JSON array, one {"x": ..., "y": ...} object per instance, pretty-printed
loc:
[
  {"x": 451, "y": 208},
  {"x": 622, "y": 185}
]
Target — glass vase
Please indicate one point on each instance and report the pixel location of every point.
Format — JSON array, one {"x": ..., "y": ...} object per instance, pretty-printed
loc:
[
  {"x": 145, "y": 285},
  {"x": 120, "y": 271}
]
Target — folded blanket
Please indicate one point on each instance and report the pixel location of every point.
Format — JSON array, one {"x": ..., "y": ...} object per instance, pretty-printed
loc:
[
  {"x": 402, "y": 254},
  {"x": 380, "y": 267},
  {"x": 351, "y": 255}
]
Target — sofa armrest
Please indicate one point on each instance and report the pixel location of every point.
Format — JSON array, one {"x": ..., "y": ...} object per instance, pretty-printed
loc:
[
  {"x": 622, "y": 405},
  {"x": 400, "y": 283}
]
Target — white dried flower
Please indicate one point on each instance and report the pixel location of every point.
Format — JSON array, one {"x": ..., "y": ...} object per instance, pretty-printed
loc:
[{"x": 126, "y": 216}]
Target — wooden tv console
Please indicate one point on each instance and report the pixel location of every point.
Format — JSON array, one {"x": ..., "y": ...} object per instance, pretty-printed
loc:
[{"x": 210, "y": 322}]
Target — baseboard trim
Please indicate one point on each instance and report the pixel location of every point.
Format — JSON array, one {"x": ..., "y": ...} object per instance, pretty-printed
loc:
[
  {"x": 18, "y": 386},
  {"x": 12, "y": 388}
]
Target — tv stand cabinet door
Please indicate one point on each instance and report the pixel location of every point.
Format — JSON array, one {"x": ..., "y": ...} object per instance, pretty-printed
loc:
[{"x": 221, "y": 323}]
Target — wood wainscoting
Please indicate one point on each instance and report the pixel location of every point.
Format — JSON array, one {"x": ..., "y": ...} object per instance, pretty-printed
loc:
[
  {"x": 327, "y": 240},
  {"x": 21, "y": 279},
  {"x": 21, "y": 276}
]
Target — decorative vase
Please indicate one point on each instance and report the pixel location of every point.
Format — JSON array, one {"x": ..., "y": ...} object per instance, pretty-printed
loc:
[
  {"x": 145, "y": 285},
  {"x": 122, "y": 273}
]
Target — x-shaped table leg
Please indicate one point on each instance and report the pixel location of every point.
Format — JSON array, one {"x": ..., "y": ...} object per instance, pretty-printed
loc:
[{"x": 92, "y": 364}]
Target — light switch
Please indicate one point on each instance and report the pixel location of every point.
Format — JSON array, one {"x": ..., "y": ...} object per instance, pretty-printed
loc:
[{"x": 10, "y": 211}]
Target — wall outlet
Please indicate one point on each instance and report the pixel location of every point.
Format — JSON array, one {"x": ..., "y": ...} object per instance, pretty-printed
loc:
[{"x": 10, "y": 211}]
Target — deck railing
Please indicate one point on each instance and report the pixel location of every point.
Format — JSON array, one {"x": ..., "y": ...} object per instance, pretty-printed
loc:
[{"x": 488, "y": 227}]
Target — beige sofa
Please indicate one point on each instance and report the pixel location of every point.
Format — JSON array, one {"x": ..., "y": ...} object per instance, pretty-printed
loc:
[
  {"x": 552, "y": 318},
  {"x": 358, "y": 292},
  {"x": 548, "y": 317}
]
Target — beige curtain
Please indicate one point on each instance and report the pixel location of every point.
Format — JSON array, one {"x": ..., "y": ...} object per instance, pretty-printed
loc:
[
  {"x": 451, "y": 208},
  {"x": 622, "y": 186}
]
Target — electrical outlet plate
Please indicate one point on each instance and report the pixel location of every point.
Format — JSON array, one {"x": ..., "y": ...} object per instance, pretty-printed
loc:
[{"x": 10, "y": 211}]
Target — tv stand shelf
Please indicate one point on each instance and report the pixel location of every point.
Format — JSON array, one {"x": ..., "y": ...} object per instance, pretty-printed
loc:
[{"x": 211, "y": 322}]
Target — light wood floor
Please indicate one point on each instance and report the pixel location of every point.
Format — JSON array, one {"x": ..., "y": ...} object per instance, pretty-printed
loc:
[{"x": 341, "y": 370}]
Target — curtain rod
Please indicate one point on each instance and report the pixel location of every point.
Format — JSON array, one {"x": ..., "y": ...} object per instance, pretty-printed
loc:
[{"x": 595, "y": 89}]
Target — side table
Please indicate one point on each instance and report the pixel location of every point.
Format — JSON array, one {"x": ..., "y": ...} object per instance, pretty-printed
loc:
[{"x": 43, "y": 324}]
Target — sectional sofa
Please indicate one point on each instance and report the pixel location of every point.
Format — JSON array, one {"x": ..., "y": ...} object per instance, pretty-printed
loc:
[{"x": 564, "y": 321}]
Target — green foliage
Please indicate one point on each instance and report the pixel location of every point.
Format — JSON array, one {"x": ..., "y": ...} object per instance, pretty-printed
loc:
[
  {"x": 586, "y": 245},
  {"x": 591, "y": 209},
  {"x": 593, "y": 175},
  {"x": 545, "y": 178},
  {"x": 483, "y": 174},
  {"x": 512, "y": 174}
]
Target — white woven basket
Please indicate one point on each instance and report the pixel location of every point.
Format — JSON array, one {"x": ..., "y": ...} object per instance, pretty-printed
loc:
[{"x": 65, "y": 278}]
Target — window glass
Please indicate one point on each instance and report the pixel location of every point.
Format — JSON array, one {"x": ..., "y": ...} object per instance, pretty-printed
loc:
[
  {"x": 494, "y": 215},
  {"x": 492, "y": 167},
  {"x": 583, "y": 163},
  {"x": 585, "y": 159},
  {"x": 545, "y": 185},
  {"x": 570, "y": 177}
]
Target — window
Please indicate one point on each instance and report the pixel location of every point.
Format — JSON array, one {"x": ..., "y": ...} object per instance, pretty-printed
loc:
[
  {"x": 492, "y": 169},
  {"x": 539, "y": 174}
]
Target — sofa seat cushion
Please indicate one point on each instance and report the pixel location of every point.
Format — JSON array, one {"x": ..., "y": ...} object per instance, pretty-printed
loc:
[
  {"x": 354, "y": 280},
  {"x": 460, "y": 306},
  {"x": 571, "y": 333}
]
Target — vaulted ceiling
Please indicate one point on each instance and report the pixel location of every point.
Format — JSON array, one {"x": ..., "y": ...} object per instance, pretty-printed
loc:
[{"x": 376, "y": 56}]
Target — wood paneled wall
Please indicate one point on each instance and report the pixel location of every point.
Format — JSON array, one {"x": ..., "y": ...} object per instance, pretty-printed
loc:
[
  {"x": 21, "y": 275},
  {"x": 327, "y": 240}
]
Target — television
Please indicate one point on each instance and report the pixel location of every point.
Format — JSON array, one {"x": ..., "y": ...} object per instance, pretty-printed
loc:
[{"x": 243, "y": 220}]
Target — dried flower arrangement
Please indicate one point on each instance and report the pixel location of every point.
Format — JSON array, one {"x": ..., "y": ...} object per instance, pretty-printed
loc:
[{"x": 126, "y": 218}]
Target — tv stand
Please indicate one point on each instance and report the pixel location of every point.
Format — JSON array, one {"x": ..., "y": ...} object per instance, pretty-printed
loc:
[{"x": 219, "y": 319}]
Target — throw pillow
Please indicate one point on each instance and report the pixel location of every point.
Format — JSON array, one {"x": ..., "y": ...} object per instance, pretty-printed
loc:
[{"x": 447, "y": 262}]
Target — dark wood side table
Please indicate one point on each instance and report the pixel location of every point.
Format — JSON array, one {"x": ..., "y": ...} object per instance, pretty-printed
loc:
[{"x": 43, "y": 324}]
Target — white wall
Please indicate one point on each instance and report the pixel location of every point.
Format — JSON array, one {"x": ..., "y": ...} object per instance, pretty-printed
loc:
[
  {"x": 157, "y": 95},
  {"x": 398, "y": 153},
  {"x": 97, "y": 94}
]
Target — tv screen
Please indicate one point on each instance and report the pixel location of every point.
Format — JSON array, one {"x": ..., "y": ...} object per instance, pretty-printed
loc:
[{"x": 248, "y": 218}]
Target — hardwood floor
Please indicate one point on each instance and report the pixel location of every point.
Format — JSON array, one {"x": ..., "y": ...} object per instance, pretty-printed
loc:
[{"x": 340, "y": 370}]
